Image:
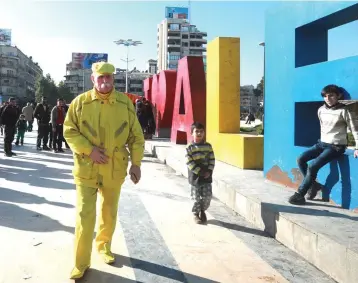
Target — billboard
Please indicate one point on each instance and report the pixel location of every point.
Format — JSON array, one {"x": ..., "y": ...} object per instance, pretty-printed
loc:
[
  {"x": 176, "y": 13},
  {"x": 85, "y": 60},
  {"x": 5, "y": 36}
]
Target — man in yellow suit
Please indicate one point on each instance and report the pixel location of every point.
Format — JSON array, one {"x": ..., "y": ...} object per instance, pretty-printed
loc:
[{"x": 99, "y": 126}]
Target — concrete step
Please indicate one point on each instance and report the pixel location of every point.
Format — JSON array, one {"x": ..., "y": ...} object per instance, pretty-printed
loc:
[{"x": 322, "y": 233}]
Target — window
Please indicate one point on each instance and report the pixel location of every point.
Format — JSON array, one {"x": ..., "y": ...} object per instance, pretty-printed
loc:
[
  {"x": 174, "y": 57},
  {"x": 185, "y": 36},
  {"x": 185, "y": 29},
  {"x": 174, "y": 27}
]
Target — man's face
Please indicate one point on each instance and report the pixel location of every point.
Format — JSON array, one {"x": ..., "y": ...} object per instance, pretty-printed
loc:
[
  {"x": 198, "y": 135},
  {"x": 12, "y": 102},
  {"x": 60, "y": 103},
  {"x": 44, "y": 100},
  {"x": 331, "y": 99},
  {"x": 103, "y": 83}
]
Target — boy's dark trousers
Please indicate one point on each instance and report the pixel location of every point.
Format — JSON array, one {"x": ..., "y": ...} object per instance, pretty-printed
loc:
[
  {"x": 20, "y": 137},
  {"x": 9, "y": 138},
  {"x": 322, "y": 153},
  {"x": 58, "y": 137}
]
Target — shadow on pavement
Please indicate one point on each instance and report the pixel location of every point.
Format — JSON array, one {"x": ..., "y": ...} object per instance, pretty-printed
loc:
[
  {"x": 160, "y": 270},
  {"x": 97, "y": 276},
  {"x": 22, "y": 197},
  {"x": 39, "y": 176},
  {"x": 16, "y": 217},
  {"x": 303, "y": 210},
  {"x": 235, "y": 227}
]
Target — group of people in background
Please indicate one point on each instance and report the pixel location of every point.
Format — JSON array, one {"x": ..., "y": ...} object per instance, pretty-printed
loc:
[
  {"x": 145, "y": 115},
  {"x": 50, "y": 121}
]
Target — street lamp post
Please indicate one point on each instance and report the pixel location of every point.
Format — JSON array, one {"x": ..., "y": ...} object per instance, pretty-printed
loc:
[{"x": 127, "y": 43}]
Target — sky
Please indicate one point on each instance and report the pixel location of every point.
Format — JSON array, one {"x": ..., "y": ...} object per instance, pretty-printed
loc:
[{"x": 50, "y": 31}]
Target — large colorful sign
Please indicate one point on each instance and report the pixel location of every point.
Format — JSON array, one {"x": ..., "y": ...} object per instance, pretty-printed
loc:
[
  {"x": 176, "y": 13},
  {"x": 5, "y": 36},
  {"x": 85, "y": 60}
]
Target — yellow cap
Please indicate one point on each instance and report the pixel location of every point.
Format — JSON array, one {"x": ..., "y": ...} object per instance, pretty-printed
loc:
[{"x": 101, "y": 68}]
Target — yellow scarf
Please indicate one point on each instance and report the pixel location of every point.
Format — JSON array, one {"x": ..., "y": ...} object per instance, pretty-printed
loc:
[{"x": 102, "y": 96}]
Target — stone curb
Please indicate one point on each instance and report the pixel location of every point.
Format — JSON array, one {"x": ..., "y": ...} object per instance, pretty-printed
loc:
[{"x": 335, "y": 259}]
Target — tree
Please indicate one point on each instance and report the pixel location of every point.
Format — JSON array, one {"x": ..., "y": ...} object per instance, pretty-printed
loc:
[
  {"x": 64, "y": 92},
  {"x": 259, "y": 90},
  {"x": 45, "y": 86}
]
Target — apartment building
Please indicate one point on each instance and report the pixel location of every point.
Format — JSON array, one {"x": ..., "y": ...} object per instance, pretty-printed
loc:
[
  {"x": 18, "y": 74},
  {"x": 177, "y": 38},
  {"x": 135, "y": 80},
  {"x": 79, "y": 80}
]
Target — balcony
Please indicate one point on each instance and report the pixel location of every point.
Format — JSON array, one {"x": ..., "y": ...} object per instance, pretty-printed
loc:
[
  {"x": 201, "y": 40},
  {"x": 201, "y": 48},
  {"x": 174, "y": 37},
  {"x": 7, "y": 75}
]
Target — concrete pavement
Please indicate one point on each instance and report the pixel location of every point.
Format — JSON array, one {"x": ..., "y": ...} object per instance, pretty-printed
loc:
[{"x": 156, "y": 239}]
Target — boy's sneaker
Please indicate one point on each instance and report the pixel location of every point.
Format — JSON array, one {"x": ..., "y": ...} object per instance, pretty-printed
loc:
[
  {"x": 315, "y": 188},
  {"x": 297, "y": 198},
  {"x": 197, "y": 219},
  {"x": 203, "y": 216}
]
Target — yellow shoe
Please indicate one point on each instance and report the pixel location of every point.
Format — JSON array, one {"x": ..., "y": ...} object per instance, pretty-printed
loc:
[
  {"x": 107, "y": 256},
  {"x": 77, "y": 274}
]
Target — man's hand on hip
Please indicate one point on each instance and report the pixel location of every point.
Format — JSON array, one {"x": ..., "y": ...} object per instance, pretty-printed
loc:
[
  {"x": 97, "y": 155},
  {"x": 135, "y": 173}
]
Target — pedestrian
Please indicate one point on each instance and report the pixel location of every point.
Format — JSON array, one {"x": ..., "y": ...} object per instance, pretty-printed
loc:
[
  {"x": 43, "y": 115},
  {"x": 21, "y": 127},
  {"x": 334, "y": 118},
  {"x": 4, "y": 104},
  {"x": 28, "y": 111},
  {"x": 98, "y": 126},
  {"x": 58, "y": 115},
  {"x": 9, "y": 117},
  {"x": 200, "y": 160}
]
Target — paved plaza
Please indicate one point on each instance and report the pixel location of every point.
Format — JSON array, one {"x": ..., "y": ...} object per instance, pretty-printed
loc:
[{"x": 156, "y": 239}]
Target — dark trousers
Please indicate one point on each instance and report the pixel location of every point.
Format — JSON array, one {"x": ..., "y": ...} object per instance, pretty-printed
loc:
[
  {"x": 322, "y": 153},
  {"x": 42, "y": 134},
  {"x": 29, "y": 126},
  {"x": 20, "y": 137},
  {"x": 9, "y": 138},
  {"x": 58, "y": 137}
]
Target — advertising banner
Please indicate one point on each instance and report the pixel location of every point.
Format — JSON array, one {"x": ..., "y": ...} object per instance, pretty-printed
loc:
[
  {"x": 5, "y": 36},
  {"x": 85, "y": 60},
  {"x": 176, "y": 13}
]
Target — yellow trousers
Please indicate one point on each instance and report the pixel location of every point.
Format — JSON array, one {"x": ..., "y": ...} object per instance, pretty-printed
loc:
[{"x": 86, "y": 220}]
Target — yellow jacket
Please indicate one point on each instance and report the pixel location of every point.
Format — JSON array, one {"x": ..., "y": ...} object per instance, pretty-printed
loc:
[{"x": 110, "y": 124}]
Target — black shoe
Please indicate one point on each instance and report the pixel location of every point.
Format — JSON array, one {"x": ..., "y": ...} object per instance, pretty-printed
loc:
[
  {"x": 7, "y": 154},
  {"x": 312, "y": 192},
  {"x": 16, "y": 143},
  {"x": 56, "y": 151},
  {"x": 297, "y": 198},
  {"x": 203, "y": 216},
  {"x": 13, "y": 153},
  {"x": 46, "y": 147},
  {"x": 197, "y": 219},
  {"x": 61, "y": 150},
  {"x": 38, "y": 148}
]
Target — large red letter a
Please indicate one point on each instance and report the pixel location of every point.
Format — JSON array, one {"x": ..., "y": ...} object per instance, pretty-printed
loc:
[{"x": 190, "y": 98}]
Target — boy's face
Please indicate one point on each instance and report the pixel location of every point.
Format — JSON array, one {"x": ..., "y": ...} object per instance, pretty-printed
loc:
[
  {"x": 331, "y": 99},
  {"x": 198, "y": 135}
]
